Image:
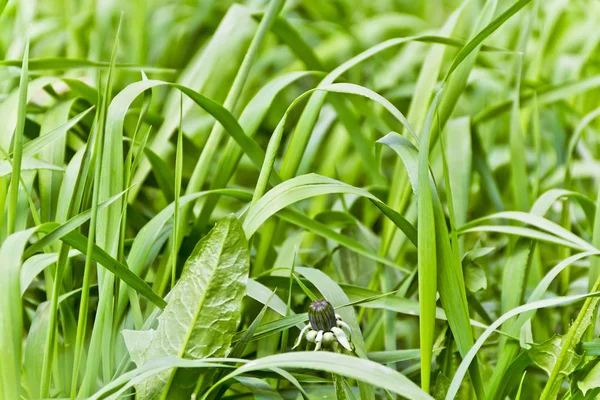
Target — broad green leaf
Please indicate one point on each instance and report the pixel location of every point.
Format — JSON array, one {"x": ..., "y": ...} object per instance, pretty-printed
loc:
[
  {"x": 591, "y": 380},
  {"x": 202, "y": 313},
  {"x": 239, "y": 348},
  {"x": 475, "y": 278},
  {"x": 545, "y": 355},
  {"x": 149, "y": 234}
]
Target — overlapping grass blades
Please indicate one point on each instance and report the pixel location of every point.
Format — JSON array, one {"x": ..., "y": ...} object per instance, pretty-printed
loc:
[{"x": 133, "y": 133}]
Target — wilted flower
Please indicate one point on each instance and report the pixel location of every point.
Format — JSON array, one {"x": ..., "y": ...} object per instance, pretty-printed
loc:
[{"x": 325, "y": 327}]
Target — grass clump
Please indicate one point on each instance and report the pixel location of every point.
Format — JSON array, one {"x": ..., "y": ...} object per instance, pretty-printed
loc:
[{"x": 182, "y": 183}]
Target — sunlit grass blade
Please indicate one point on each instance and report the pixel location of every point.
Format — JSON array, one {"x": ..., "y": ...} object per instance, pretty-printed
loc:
[
  {"x": 375, "y": 374},
  {"x": 427, "y": 265},
  {"x": 450, "y": 282},
  {"x": 103, "y": 159},
  {"x": 307, "y": 186},
  {"x": 55, "y": 63},
  {"x": 11, "y": 329},
  {"x": 18, "y": 144}
]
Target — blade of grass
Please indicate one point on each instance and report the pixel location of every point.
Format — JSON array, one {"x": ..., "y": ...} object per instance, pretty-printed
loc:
[
  {"x": 101, "y": 148},
  {"x": 11, "y": 331},
  {"x": 518, "y": 169},
  {"x": 306, "y": 186},
  {"x": 201, "y": 168},
  {"x": 426, "y": 257},
  {"x": 464, "y": 365},
  {"x": 450, "y": 282},
  {"x": 178, "y": 173},
  {"x": 18, "y": 144},
  {"x": 351, "y": 367},
  {"x": 58, "y": 63}
]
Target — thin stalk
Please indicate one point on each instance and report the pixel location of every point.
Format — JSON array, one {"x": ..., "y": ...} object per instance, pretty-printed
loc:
[
  {"x": 338, "y": 384},
  {"x": 178, "y": 173},
  {"x": 84, "y": 305},
  {"x": 87, "y": 269},
  {"x": 13, "y": 194}
]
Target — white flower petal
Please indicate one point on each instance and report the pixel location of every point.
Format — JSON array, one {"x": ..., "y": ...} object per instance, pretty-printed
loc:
[
  {"x": 319, "y": 340},
  {"x": 345, "y": 327},
  {"x": 341, "y": 338},
  {"x": 300, "y": 336}
]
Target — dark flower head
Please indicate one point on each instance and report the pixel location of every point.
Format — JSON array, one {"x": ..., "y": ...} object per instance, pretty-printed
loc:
[{"x": 322, "y": 316}]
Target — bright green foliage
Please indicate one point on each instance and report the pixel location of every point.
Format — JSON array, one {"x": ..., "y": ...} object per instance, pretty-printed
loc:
[{"x": 179, "y": 179}]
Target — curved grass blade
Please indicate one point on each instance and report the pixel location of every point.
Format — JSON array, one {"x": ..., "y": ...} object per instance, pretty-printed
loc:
[
  {"x": 468, "y": 358},
  {"x": 306, "y": 186},
  {"x": 351, "y": 367}
]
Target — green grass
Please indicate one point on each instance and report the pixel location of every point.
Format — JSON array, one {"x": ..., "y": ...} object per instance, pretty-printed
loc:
[{"x": 179, "y": 180}]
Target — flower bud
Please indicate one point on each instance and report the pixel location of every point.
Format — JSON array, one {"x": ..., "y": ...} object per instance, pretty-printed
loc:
[{"x": 321, "y": 316}]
